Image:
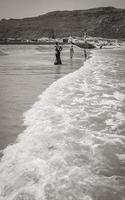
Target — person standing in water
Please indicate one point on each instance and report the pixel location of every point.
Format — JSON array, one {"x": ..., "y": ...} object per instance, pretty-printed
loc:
[
  {"x": 85, "y": 43},
  {"x": 71, "y": 51},
  {"x": 58, "y": 49},
  {"x": 85, "y": 54}
]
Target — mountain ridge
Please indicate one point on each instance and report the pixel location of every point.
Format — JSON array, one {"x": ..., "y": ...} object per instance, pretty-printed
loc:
[{"x": 106, "y": 22}]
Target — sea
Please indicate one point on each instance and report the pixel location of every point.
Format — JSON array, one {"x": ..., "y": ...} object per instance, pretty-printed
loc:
[
  {"x": 25, "y": 72},
  {"x": 73, "y": 143}
]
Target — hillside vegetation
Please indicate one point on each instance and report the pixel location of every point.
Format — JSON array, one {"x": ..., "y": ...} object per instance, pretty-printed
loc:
[{"x": 108, "y": 22}]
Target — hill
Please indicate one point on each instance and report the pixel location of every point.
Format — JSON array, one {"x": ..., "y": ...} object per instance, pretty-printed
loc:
[{"x": 106, "y": 22}]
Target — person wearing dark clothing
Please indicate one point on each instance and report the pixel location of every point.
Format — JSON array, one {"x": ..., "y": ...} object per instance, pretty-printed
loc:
[
  {"x": 58, "y": 49},
  {"x": 85, "y": 54},
  {"x": 71, "y": 51}
]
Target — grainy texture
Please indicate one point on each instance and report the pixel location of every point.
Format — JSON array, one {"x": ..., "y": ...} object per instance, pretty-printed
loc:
[{"x": 106, "y": 22}]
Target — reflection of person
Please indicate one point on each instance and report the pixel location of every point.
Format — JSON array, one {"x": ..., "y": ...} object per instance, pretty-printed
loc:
[
  {"x": 58, "y": 49},
  {"x": 57, "y": 72},
  {"x": 71, "y": 51}
]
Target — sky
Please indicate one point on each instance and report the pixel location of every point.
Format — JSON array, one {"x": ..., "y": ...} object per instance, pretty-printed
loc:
[{"x": 31, "y": 8}]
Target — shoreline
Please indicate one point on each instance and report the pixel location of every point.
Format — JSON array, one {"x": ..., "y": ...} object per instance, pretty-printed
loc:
[
  {"x": 37, "y": 71},
  {"x": 65, "y": 131},
  {"x": 80, "y": 45},
  {"x": 89, "y": 55}
]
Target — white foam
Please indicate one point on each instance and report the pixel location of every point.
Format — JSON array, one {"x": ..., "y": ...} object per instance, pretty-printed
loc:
[
  {"x": 68, "y": 150},
  {"x": 119, "y": 96}
]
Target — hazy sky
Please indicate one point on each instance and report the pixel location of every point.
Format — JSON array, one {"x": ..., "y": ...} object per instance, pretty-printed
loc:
[{"x": 30, "y": 8}]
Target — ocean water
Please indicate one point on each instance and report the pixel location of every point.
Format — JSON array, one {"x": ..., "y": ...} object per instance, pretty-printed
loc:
[
  {"x": 74, "y": 145},
  {"x": 26, "y": 71}
]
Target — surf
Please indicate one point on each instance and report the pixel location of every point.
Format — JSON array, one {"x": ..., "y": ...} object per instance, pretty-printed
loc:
[{"x": 73, "y": 146}]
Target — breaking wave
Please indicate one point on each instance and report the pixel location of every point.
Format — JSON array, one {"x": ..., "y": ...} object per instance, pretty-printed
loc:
[{"x": 73, "y": 146}]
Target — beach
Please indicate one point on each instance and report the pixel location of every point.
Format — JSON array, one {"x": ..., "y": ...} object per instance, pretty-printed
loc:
[
  {"x": 74, "y": 140},
  {"x": 25, "y": 72}
]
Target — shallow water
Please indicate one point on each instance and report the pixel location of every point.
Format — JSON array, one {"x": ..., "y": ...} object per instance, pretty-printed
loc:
[
  {"x": 25, "y": 71},
  {"x": 74, "y": 144}
]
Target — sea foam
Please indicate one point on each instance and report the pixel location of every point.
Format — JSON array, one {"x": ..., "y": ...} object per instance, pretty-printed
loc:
[{"x": 69, "y": 149}]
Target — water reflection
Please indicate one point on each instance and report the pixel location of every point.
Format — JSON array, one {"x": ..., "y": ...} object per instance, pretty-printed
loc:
[
  {"x": 57, "y": 71},
  {"x": 25, "y": 72},
  {"x": 71, "y": 63}
]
